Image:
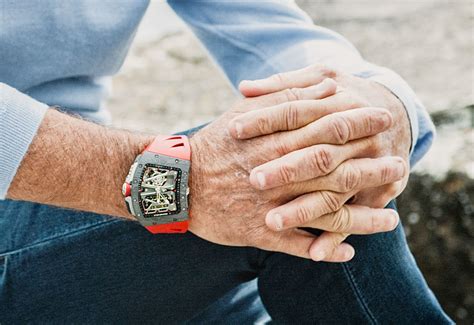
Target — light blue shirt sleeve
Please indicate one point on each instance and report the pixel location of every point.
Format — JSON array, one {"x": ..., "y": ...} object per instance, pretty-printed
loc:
[
  {"x": 255, "y": 39},
  {"x": 20, "y": 117}
]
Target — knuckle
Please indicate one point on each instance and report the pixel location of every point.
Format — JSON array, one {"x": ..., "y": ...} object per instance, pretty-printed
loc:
[
  {"x": 331, "y": 202},
  {"x": 292, "y": 94},
  {"x": 303, "y": 214},
  {"x": 385, "y": 114},
  {"x": 321, "y": 160},
  {"x": 326, "y": 71},
  {"x": 341, "y": 130},
  {"x": 352, "y": 177},
  {"x": 385, "y": 174},
  {"x": 291, "y": 116},
  {"x": 343, "y": 220},
  {"x": 263, "y": 125},
  {"x": 286, "y": 174},
  {"x": 278, "y": 78},
  {"x": 369, "y": 123},
  {"x": 372, "y": 124}
]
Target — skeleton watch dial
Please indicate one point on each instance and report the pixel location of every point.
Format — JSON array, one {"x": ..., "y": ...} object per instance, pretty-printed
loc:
[{"x": 159, "y": 190}]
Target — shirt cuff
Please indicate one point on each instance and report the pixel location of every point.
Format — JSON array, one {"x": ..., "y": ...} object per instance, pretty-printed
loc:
[{"x": 20, "y": 117}]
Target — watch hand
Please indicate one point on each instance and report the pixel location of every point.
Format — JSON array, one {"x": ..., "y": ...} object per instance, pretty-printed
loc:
[
  {"x": 149, "y": 193},
  {"x": 149, "y": 186}
]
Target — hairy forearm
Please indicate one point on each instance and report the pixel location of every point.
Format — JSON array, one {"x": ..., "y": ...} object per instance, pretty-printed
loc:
[{"x": 77, "y": 164}]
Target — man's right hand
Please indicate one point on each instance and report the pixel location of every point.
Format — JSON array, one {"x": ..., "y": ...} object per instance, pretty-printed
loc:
[{"x": 226, "y": 209}]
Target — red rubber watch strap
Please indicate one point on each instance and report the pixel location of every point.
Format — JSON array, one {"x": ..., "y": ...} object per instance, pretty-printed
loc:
[
  {"x": 176, "y": 146},
  {"x": 169, "y": 228},
  {"x": 173, "y": 146}
]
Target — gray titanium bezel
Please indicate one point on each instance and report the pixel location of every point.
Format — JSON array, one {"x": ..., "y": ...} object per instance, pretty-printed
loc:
[{"x": 148, "y": 157}]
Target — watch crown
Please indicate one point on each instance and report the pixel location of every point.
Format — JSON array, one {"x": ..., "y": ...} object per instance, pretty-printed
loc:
[{"x": 126, "y": 191}]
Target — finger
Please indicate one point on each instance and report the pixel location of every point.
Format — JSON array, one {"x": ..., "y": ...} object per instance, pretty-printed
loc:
[
  {"x": 307, "y": 163},
  {"x": 379, "y": 197},
  {"x": 355, "y": 175},
  {"x": 340, "y": 128},
  {"x": 357, "y": 219},
  {"x": 293, "y": 79},
  {"x": 342, "y": 253},
  {"x": 320, "y": 160},
  {"x": 292, "y": 94},
  {"x": 297, "y": 242},
  {"x": 293, "y": 242},
  {"x": 327, "y": 247},
  {"x": 286, "y": 116},
  {"x": 305, "y": 209},
  {"x": 301, "y": 165},
  {"x": 308, "y": 208}
]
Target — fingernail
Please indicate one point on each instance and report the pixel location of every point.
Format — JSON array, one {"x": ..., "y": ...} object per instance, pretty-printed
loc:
[
  {"x": 318, "y": 256},
  {"x": 238, "y": 129},
  {"x": 394, "y": 221},
  {"x": 277, "y": 221},
  {"x": 349, "y": 254},
  {"x": 261, "y": 179}
]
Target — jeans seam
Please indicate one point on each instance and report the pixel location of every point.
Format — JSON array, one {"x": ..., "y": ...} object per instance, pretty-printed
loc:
[
  {"x": 355, "y": 288},
  {"x": 57, "y": 237}
]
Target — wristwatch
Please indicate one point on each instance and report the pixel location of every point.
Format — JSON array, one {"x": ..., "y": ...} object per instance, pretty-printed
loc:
[{"x": 156, "y": 188}]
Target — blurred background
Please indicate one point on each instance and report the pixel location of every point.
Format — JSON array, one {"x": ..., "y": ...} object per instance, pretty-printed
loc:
[{"x": 168, "y": 84}]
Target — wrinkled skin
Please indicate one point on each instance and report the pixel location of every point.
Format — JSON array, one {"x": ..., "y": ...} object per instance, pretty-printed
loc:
[{"x": 227, "y": 209}]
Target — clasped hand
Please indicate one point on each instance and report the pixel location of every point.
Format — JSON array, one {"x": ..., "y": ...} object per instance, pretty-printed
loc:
[{"x": 313, "y": 148}]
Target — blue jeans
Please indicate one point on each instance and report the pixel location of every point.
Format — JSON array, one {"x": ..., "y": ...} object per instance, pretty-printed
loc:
[{"x": 59, "y": 265}]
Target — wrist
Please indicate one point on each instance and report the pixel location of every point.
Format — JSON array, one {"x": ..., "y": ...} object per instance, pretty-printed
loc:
[
  {"x": 72, "y": 163},
  {"x": 133, "y": 145},
  {"x": 156, "y": 188},
  {"x": 195, "y": 172}
]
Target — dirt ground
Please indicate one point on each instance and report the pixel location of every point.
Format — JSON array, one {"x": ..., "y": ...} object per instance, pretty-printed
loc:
[{"x": 168, "y": 84}]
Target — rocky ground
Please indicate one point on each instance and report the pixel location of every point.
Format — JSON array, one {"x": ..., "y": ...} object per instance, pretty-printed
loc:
[{"x": 168, "y": 84}]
